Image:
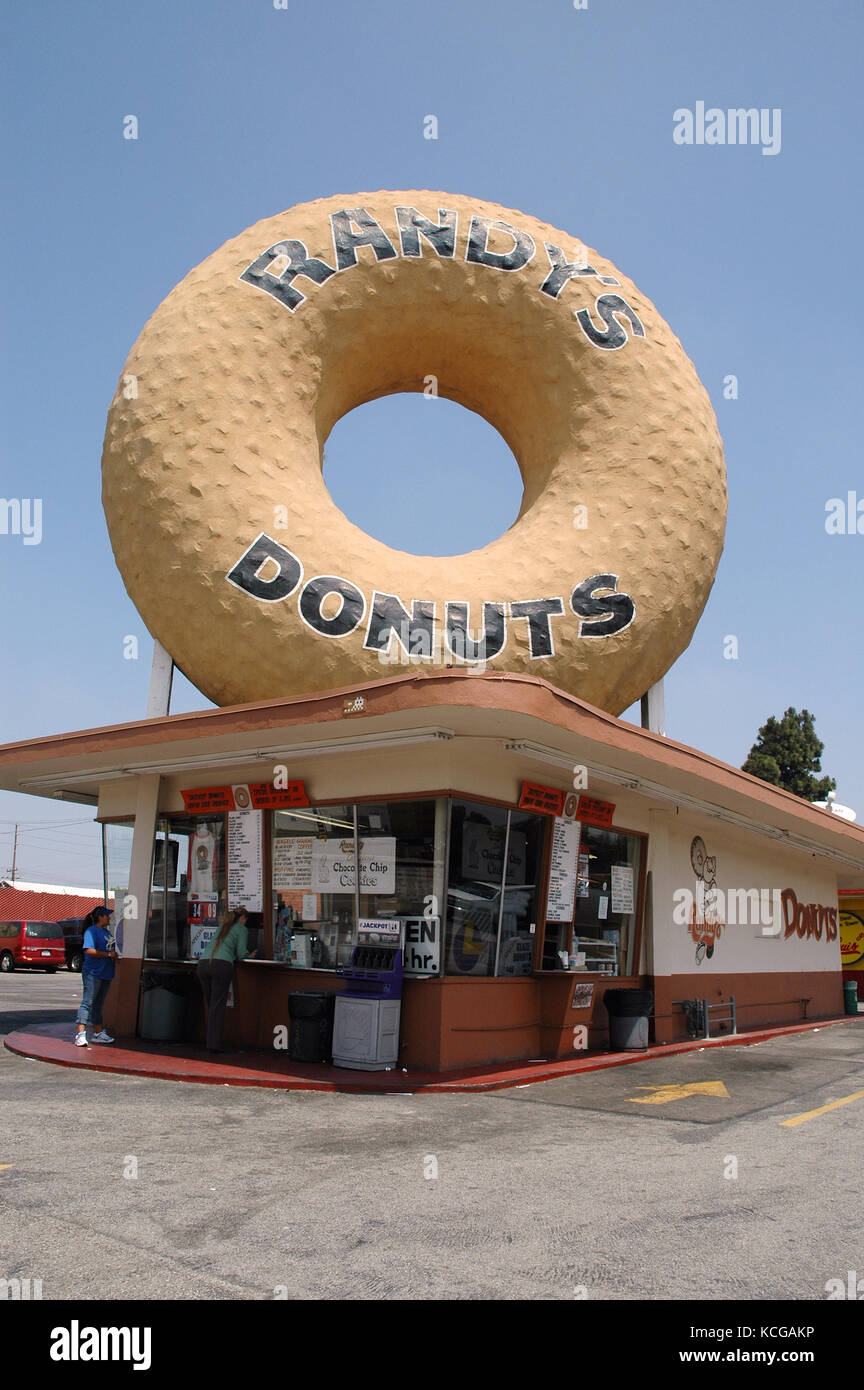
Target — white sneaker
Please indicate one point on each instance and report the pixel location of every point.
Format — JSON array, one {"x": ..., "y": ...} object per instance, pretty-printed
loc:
[
  {"x": 81, "y": 1038},
  {"x": 103, "y": 1037}
]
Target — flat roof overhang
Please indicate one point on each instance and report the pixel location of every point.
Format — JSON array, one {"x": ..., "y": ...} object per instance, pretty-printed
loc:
[{"x": 525, "y": 715}]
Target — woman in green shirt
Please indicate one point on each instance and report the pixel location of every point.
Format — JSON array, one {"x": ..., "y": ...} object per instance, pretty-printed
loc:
[{"x": 216, "y": 973}]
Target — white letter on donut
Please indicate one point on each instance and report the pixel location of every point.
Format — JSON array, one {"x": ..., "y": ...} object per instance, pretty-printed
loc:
[
  {"x": 620, "y": 606},
  {"x": 413, "y": 225},
  {"x": 245, "y": 574},
  {"x": 609, "y": 306},
  {"x": 345, "y": 241},
  {"x": 562, "y": 271},
  {"x": 478, "y": 238},
  {"x": 311, "y": 602},
  {"x": 538, "y": 611},
  {"x": 293, "y": 259},
  {"x": 462, "y": 645},
  {"x": 388, "y": 616}
]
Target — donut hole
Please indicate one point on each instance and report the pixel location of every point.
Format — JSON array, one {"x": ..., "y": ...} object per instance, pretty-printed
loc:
[{"x": 423, "y": 474}]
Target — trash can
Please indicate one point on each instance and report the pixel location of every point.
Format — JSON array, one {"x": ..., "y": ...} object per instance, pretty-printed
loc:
[
  {"x": 850, "y": 995},
  {"x": 629, "y": 1011},
  {"x": 310, "y": 1032},
  {"x": 164, "y": 1003}
]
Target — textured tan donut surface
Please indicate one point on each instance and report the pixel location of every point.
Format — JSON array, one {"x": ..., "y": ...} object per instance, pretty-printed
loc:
[{"x": 216, "y": 432}]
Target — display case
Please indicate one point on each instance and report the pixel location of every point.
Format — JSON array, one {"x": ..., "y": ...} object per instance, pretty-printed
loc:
[{"x": 601, "y": 957}]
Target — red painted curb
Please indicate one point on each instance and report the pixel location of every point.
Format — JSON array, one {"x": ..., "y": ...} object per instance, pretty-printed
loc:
[{"x": 46, "y": 1046}]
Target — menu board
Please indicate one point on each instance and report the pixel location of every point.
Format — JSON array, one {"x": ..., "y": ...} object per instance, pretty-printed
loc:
[
  {"x": 622, "y": 888},
  {"x": 563, "y": 870},
  {"x": 292, "y": 862},
  {"x": 245, "y": 873}
]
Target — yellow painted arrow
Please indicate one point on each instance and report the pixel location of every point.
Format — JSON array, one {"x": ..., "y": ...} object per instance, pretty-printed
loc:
[{"x": 663, "y": 1094}]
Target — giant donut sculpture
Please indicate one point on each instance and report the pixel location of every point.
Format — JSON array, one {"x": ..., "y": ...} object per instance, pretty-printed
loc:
[{"x": 243, "y": 567}]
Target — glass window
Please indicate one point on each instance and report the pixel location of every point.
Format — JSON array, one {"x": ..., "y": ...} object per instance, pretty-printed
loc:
[
  {"x": 397, "y": 851},
  {"x": 188, "y": 893},
  {"x": 521, "y": 891},
  {"x": 117, "y": 848},
  {"x": 43, "y": 931},
  {"x": 316, "y": 899},
  {"x": 601, "y": 932},
  {"x": 495, "y": 858},
  {"x": 313, "y": 886},
  {"x": 402, "y": 853}
]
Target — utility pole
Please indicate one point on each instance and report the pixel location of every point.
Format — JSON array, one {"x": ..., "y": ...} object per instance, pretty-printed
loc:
[{"x": 14, "y": 853}]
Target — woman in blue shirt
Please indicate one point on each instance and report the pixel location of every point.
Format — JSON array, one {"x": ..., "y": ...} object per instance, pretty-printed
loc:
[{"x": 97, "y": 972}]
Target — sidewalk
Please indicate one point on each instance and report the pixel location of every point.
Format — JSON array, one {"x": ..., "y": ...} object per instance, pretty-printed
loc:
[{"x": 52, "y": 1042}]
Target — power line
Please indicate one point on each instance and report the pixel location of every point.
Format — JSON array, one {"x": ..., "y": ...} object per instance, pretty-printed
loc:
[{"x": 77, "y": 822}]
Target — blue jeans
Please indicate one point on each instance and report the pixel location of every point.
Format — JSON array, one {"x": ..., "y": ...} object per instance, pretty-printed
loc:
[{"x": 93, "y": 998}]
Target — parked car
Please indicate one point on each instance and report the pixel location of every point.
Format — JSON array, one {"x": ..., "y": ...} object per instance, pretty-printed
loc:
[
  {"x": 73, "y": 935},
  {"x": 31, "y": 945}
]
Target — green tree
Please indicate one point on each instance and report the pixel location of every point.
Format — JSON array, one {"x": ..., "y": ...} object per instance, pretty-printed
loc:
[{"x": 787, "y": 753}]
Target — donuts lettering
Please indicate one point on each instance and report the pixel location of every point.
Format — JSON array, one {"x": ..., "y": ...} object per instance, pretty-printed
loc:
[
  {"x": 389, "y": 620},
  {"x": 222, "y": 525}
]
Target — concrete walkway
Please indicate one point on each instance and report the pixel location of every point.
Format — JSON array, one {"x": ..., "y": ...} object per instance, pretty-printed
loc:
[{"x": 52, "y": 1042}]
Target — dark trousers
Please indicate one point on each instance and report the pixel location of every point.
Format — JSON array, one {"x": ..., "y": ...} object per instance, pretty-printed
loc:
[{"x": 215, "y": 977}]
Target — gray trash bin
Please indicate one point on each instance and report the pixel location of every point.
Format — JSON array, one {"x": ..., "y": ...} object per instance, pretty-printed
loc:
[
  {"x": 164, "y": 998},
  {"x": 629, "y": 1017}
]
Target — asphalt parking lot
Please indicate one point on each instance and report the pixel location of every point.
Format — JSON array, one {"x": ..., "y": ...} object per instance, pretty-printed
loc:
[{"x": 675, "y": 1178}]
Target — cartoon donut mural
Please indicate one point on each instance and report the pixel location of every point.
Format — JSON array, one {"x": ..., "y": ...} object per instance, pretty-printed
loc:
[{"x": 705, "y": 924}]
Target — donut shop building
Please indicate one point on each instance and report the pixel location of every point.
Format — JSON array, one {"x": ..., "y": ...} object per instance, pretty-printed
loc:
[
  {"x": 534, "y": 850},
  {"x": 528, "y": 848}
]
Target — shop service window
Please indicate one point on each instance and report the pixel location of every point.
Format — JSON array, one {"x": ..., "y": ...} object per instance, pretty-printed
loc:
[
  {"x": 397, "y": 857},
  {"x": 317, "y": 896},
  {"x": 598, "y": 935},
  {"x": 188, "y": 893},
  {"x": 313, "y": 886},
  {"x": 492, "y": 890}
]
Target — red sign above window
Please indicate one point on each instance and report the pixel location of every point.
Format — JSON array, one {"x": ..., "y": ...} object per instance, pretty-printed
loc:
[
  {"x": 535, "y": 797},
  {"x": 594, "y": 812},
  {"x": 266, "y": 797},
  {"x": 209, "y": 799},
  {"x": 263, "y": 795}
]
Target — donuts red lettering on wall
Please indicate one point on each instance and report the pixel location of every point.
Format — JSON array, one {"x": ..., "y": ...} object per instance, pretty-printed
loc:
[
  {"x": 229, "y": 542},
  {"x": 807, "y": 919}
]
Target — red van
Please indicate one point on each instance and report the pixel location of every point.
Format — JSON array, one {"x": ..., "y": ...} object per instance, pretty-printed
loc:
[{"x": 35, "y": 945}]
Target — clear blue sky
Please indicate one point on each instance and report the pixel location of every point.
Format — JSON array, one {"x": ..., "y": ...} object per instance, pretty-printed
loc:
[{"x": 566, "y": 114}]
